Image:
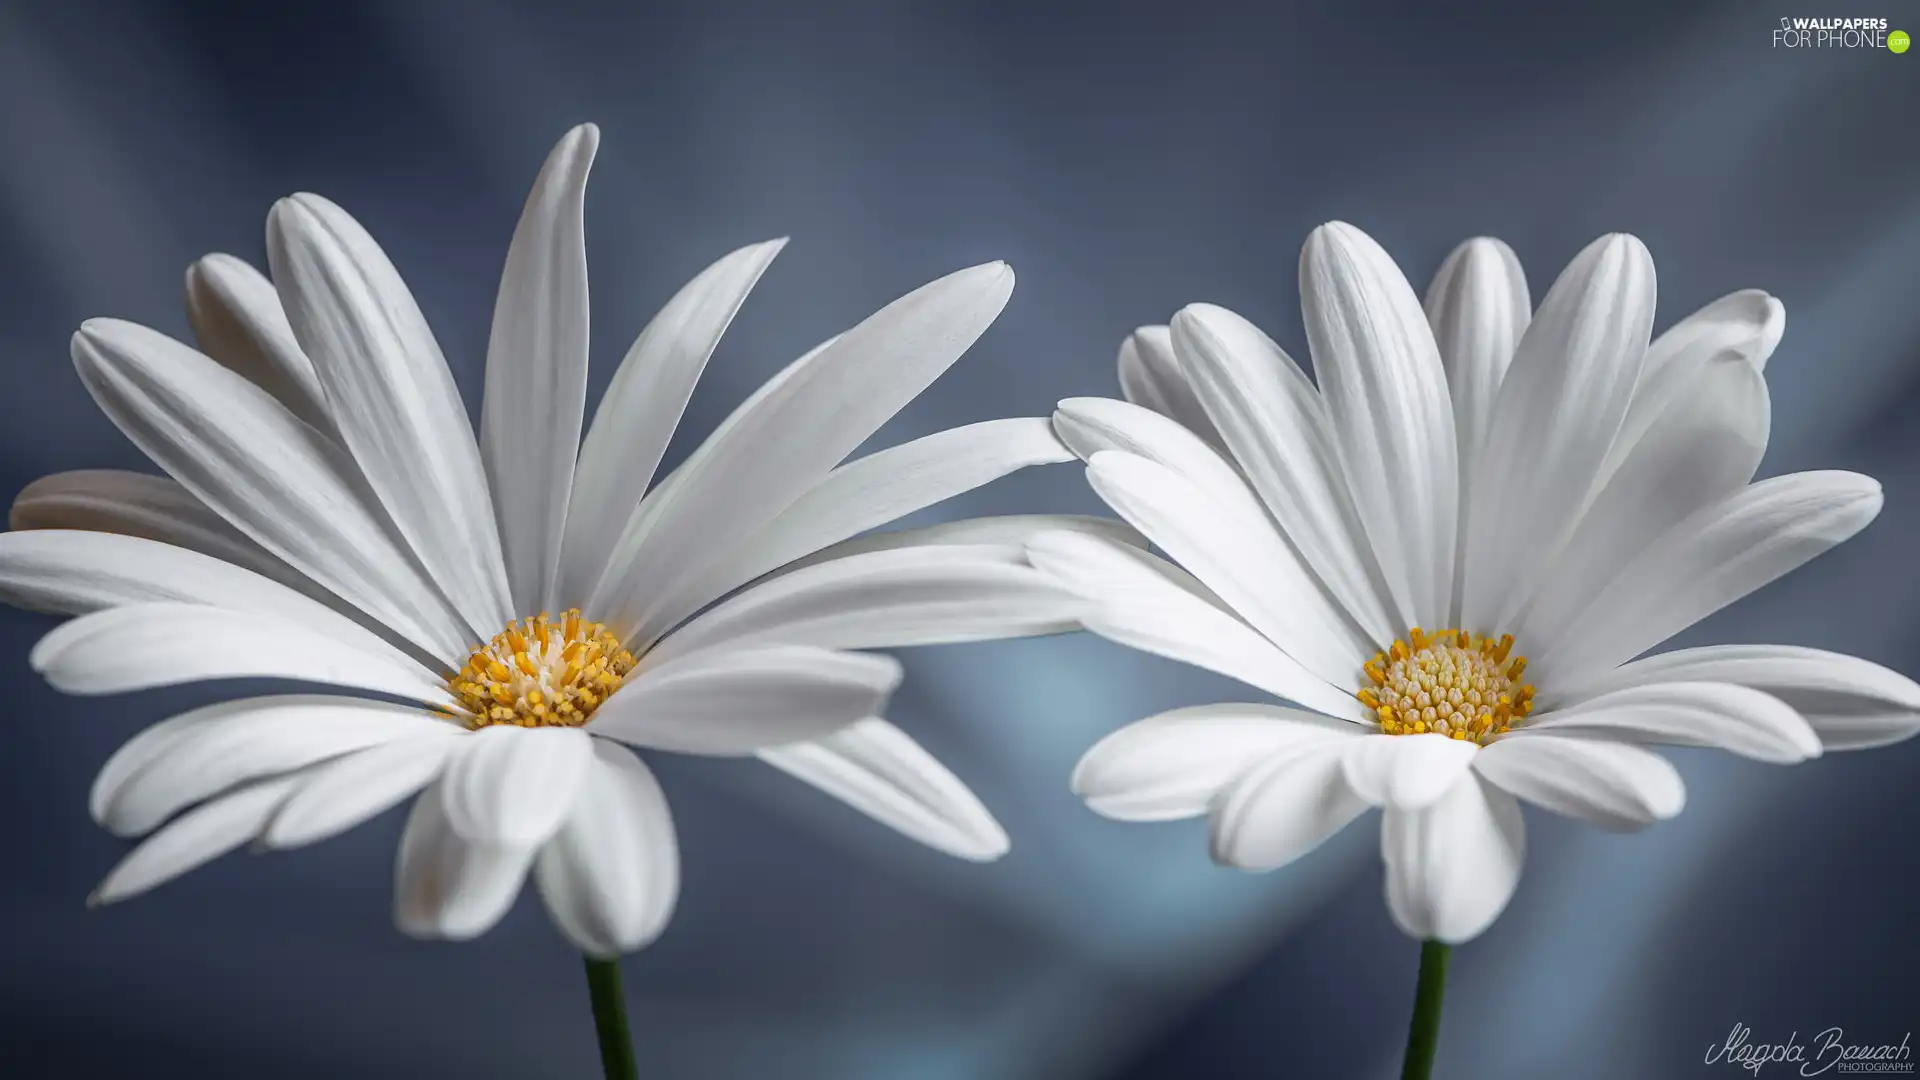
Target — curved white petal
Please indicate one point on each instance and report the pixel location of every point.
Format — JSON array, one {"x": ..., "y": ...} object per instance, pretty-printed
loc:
[
  {"x": 152, "y": 508},
  {"x": 1479, "y": 307},
  {"x": 221, "y": 746},
  {"x": 1733, "y": 718},
  {"x": 731, "y": 702},
  {"x": 237, "y": 320},
  {"x": 1852, "y": 704},
  {"x": 1008, "y": 533},
  {"x": 74, "y": 572},
  {"x": 194, "y": 840},
  {"x": 141, "y": 646},
  {"x": 1145, "y": 602},
  {"x": 510, "y": 786},
  {"x": 798, "y": 432},
  {"x": 1406, "y": 772},
  {"x": 341, "y": 794},
  {"x": 879, "y": 488},
  {"x": 1173, "y": 765},
  {"x": 1717, "y": 555},
  {"x": 1555, "y": 419},
  {"x": 642, "y": 406},
  {"x": 1090, "y": 425},
  {"x": 1247, "y": 564},
  {"x": 446, "y": 886},
  {"x": 880, "y": 771},
  {"x": 1283, "y": 808},
  {"x": 1613, "y": 785},
  {"x": 895, "y": 598},
  {"x": 1151, "y": 377},
  {"x": 536, "y": 393},
  {"x": 1277, "y": 427},
  {"x": 288, "y": 487},
  {"x": 1704, "y": 448},
  {"x": 611, "y": 875},
  {"x": 1452, "y": 867},
  {"x": 1745, "y": 325},
  {"x": 1392, "y": 419},
  {"x": 392, "y": 398}
]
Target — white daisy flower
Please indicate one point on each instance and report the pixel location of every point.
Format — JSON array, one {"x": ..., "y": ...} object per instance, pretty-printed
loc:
[
  {"x": 525, "y": 608},
  {"x": 1449, "y": 554}
]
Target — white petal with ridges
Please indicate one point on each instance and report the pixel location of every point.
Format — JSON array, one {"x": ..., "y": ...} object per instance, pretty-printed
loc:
[
  {"x": 194, "y": 840},
  {"x": 1452, "y": 867},
  {"x": 1007, "y": 533},
  {"x": 880, "y": 771},
  {"x": 446, "y": 886},
  {"x": 1283, "y": 808},
  {"x": 511, "y": 786},
  {"x": 1406, "y": 772},
  {"x": 1479, "y": 307},
  {"x": 611, "y": 875},
  {"x": 237, "y": 320},
  {"x": 642, "y": 406},
  {"x": 1391, "y": 415},
  {"x": 1151, "y": 377},
  {"x": 288, "y": 487},
  {"x": 392, "y": 398},
  {"x": 1614, "y": 785},
  {"x": 1091, "y": 425},
  {"x": 536, "y": 390},
  {"x": 343, "y": 793},
  {"x": 731, "y": 702},
  {"x": 1559, "y": 409},
  {"x": 1172, "y": 765},
  {"x": 1733, "y": 718},
  {"x": 1717, "y": 555}
]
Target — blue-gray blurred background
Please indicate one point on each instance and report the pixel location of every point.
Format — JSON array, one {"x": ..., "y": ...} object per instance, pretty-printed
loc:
[{"x": 1126, "y": 158}]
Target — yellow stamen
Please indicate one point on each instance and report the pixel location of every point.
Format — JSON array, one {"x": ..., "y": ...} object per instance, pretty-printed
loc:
[
  {"x": 541, "y": 672},
  {"x": 1450, "y": 682}
]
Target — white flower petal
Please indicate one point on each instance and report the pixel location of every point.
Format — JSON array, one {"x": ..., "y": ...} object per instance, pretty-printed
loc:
[
  {"x": 151, "y": 508},
  {"x": 895, "y": 598},
  {"x": 1452, "y": 867},
  {"x": 536, "y": 394},
  {"x": 1852, "y": 704},
  {"x": 1248, "y": 564},
  {"x": 75, "y": 572},
  {"x": 880, "y": 771},
  {"x": 141, "y": 646},
  {"x": 730, "y": 702},
  {"x": 879, "y": 488},
  {"x": 1479, "y": 307},
  {"x": 1704, "y": 448},
  {"x": 511, "y": 786},
  {"x": 1561, "y": 405},
  {"x": 1407, "y": 772},
  {"x": 343, "y": 793},
  {"x": 1146, "y": 603},
  {"x": 1276, "y": 425},
  {"x": 392, "y": 397},
  {"x": 1733, "y": 718},
  {"x": 1151, "y": 377},
  {"x": 1613, "y": 785},
  {"x": 1386, "y": 396},
  {"x": 1090, "y": 425},
  {"x": 1745, "y": 325},
  {"x": 1173, "y": 765},
  {"x": 1008, "y": 533},
  {"x": 1716, "y": 556},
  {"x": 642, "y": 406},
  {"x": 446, "y": 886},
  {"x": 1283, "y": 808},
  {"x": 611, "y": 875},
  {"x": 230, "y": 743},
  {"x": 237, "y": 320},
  {"x": 816, "y": 417},
  {"x": 289, "y": 488},
  {"x": 194, "y": 840}
]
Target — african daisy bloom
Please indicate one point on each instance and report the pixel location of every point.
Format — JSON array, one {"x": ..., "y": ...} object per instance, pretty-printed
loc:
[
  {"x": 1448, "y": 554},
  {"x": 526, "y": 607}
]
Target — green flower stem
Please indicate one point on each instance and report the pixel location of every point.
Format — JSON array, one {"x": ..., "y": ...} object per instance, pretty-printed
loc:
[
  {"x": 610, "y": 1019},
  {"x": 1423, "y": 1035}
]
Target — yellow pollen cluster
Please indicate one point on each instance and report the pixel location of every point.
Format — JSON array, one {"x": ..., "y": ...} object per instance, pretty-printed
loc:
[
  {"x": 541, "y": 672},
  {"x": 1449, "y": 683}
]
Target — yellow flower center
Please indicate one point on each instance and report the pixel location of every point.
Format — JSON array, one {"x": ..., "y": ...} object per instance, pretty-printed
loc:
[
  {"x": 540, "y": 672},
  {"x": 1449, "y": 683}
]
